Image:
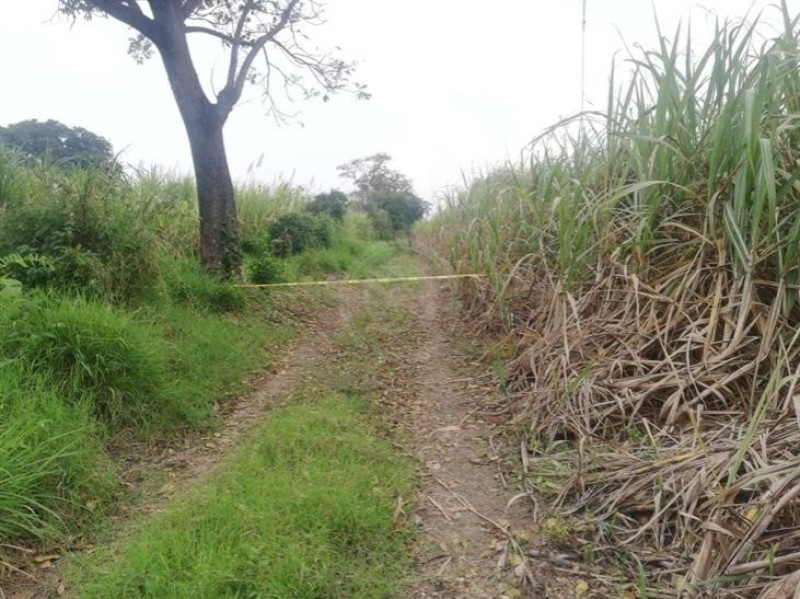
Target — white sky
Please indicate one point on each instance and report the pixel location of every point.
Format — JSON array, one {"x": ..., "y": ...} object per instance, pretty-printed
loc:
[{"x": 458, "y": 85}]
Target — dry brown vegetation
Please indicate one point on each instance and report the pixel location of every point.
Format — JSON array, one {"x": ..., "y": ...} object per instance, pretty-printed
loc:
[{"x": 646, "y": 272}]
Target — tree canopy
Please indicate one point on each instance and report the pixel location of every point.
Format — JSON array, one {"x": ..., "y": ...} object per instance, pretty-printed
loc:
[
  {"x": 267, "y": 42},
  {"x": 333, "y": 203},
  {"x": 385, "y": 194},
  {"x": 55, "y": 141}
]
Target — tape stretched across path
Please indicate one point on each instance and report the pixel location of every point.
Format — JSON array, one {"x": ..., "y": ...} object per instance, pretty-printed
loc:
[{"x": 358, "y": 281}]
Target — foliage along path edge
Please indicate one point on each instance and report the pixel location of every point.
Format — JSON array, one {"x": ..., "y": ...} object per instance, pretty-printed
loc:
[{"x": 380, "y": 359}]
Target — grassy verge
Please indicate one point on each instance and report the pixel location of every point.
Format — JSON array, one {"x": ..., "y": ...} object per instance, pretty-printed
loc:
[
  {"x": 305, "y": 511},
  {"x": 75, "y": 372},
  {"x": 306, "y": 508},
  {"x": 51, "y": 467},
  {"x": 208, "y": 356},
  {"x": 110, "y": 332}
]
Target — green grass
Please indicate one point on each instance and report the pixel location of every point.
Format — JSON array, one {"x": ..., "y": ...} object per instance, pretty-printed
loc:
[
  {"x": 90, "y": 353},
  {"x": 187, "y": 285},
  {"x": 355, "y": 258},
  {"x": 52, "y": 471},
  {"x": 156, "y": 369},
  {"x": 208, "y": 356},
  {"x": 304, "y": 511},
  {"x": 75, "y": 371}
]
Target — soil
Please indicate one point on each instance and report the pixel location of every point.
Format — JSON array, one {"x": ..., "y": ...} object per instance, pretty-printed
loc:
[{"x": 473, "y": 521}]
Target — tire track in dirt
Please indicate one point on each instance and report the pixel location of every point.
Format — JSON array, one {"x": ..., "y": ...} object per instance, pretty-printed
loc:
[
  {"x": 471, "y": 522},
  {"x": 178, "y": 464}
]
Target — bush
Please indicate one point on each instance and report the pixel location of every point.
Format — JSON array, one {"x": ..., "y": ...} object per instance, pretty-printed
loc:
[
  {"x": 29, "y": 270},
  {"x": 264, "y": 269},
  {"x": 333, "y": 204},
  {"x": 382, "y": 224},
  {"x": 395, "y": 213},
  {"x": 89, "y": 352},
  {"x": 295, "y": 232}
]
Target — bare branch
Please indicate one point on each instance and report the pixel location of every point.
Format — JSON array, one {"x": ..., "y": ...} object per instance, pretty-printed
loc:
[
  {"x": 231, "y": 93},
  {"x": 237, "y": 37},
  {"x": 212, "y": 32},
  {"x": 128, "y": 12}
]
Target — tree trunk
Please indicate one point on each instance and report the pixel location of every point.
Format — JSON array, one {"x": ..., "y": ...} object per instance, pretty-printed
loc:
[
  {"x": 219, "y": 232},
  {"x": 203, "y": 120}
]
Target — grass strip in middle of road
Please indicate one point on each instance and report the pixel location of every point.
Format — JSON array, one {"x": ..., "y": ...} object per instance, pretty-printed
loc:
[{"x": 303, "y": 510}]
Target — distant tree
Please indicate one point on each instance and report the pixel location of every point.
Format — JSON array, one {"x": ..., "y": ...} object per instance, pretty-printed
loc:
[
  {"x": 372, "y": 175},
  {"x": 53, "y": 140},
  {"x": 385, "y": 194},
  {"x": 402, "y": 208},
  {"x": 266, "y": 43},
  {"x": 333, "y": 203}
]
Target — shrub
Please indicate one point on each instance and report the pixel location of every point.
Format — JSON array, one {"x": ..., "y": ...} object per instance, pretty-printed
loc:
[
  {"x": 382, "y": 224},
  {"x": 264, "y": 269},
  {"x": 333, "y": 204},
  {"x": 395, "y": 212},
  {"x": 295, "y": 232},
  {"x": 29, "y": 270}
]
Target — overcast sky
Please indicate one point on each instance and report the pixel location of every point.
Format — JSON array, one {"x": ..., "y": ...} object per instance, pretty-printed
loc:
[{"x": 458, "y": 85}]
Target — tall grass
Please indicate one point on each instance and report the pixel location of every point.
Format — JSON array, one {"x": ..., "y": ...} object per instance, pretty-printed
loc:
[
  {"x": 91, "y": 354},
  {"x": 52, "y": 472},
  {"x": 114, "y": 327},
  {"x": 647, "y": 266}
]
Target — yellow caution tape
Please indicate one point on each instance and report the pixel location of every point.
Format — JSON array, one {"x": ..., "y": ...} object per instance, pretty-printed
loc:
[{"x": 358, "y": 281}]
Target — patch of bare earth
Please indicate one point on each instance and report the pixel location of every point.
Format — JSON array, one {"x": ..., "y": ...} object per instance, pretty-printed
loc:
[
  {"x": 469, "y": 521},
  {"x": 477, "y": 536}
]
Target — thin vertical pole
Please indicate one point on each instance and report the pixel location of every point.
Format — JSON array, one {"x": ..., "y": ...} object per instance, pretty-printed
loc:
[{"x": 583, "y": 57}]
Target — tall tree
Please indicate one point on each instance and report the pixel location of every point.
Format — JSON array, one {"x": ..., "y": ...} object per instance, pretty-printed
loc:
[{"x": 265, "y": 44}]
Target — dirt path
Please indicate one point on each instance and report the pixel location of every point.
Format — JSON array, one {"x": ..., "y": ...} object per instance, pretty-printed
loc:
[
  {"x": 470, "y": 542},
  {"x": 472, "y": 523}
]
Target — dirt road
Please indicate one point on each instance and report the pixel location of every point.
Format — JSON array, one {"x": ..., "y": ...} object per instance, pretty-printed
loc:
[{"x": 398, "y": 347}]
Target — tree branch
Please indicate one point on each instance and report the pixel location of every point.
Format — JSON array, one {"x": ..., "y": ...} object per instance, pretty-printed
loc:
[
  {"x": 189, "y": 6},
  {"x": 237, "y": 36},
  {"x": 231, "y": 93},
  {"x": 212, "y": 32},
  {"x": 129, "y": 13}
]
